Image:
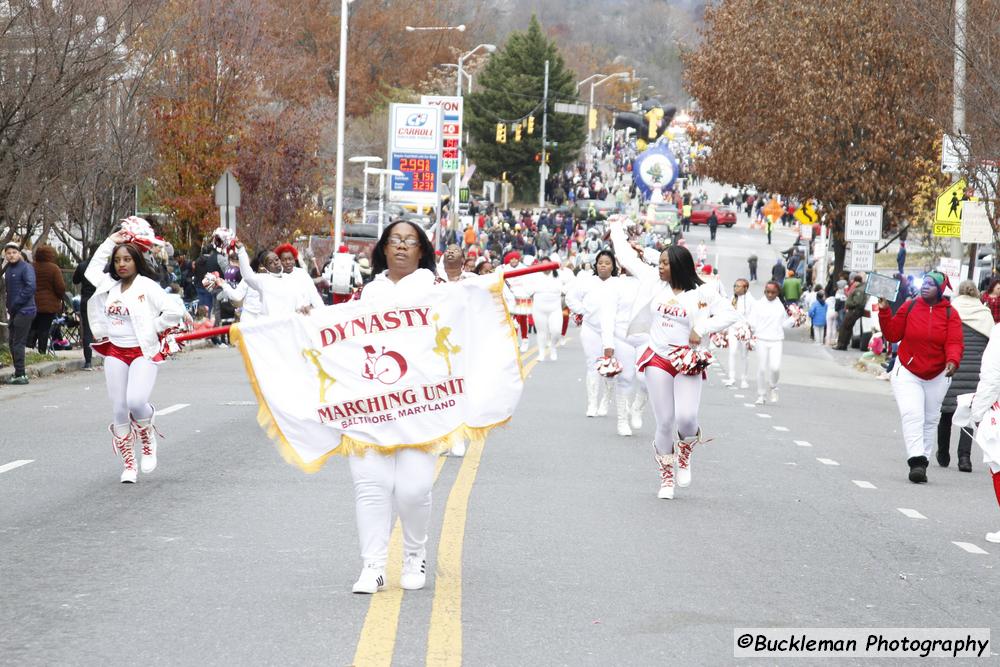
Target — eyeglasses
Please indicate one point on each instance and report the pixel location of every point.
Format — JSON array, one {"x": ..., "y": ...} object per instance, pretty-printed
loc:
[{"x": 409, "y": 242}]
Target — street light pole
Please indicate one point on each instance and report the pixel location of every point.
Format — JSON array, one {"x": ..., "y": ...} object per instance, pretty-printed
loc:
[
  {"x": 364, "y": 159},
  {"x": 543, "y": 170},
  {"x": 338, "y": 208},
  {"x": 958, "y": 104}
]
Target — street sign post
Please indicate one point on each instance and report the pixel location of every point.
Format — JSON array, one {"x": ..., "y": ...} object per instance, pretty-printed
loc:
[
  {"x": 948, "y": 211},
  {"x": 863, "y": 223},
  {"x": 976, "y": 227},
  {"x": 806, "y": 213},
  {"x": 862, "y": 256},
  {"x": 227, "y": 198}
]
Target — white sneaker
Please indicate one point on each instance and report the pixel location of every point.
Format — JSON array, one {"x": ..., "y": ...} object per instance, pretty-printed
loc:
[
  {"x": 129, "y": 476},
  {"x": 552, "y": 353},
  {"x": 524, "y": 345},
  {"x": 728, "y": 382},
  {"x": 414, "y": 576},
  {"x": 759, "y": 401},
  {"x": 459, "y": 449},
  {"x": 773, "y": 398},
  {"x": 371, "y": 580},
  {"x": 562, "y": 341},
  {"x": 744, "y": 384},
  {"x": 993, "y": 537}
]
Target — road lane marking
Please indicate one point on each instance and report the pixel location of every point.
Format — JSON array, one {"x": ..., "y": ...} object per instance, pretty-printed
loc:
[
  {"x": 748, "y": 405},
  {"x": 913, "y": 514},
  {"x": 763, "y": 415},
  {"x": 171, "y": 409},
  {"x": 803, "y": 443},
  {"x": 827, "y": 462},
  {"x": 971, "y": 548},
  {"x": 863, "y": 484},
  {"x": 783, "y": 429},
  {"x": 444, "y": 637},
  {"x": 15, "y": 464},
  {"x": 739, "y": 395},
  {"x": 377, "y": 641}
]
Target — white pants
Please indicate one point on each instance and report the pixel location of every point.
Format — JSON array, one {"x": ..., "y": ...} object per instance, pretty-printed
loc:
[
  {"x": 768, "y": 364},
  {"x": 819, "y": 334},
  {"x": 675, "y": 400},
  {"x": 402, "y": 479},
  {"x": 919, "y": 404},
  {"x": 739, "y": 360},
  {"x": 831, "y": 325},
  {"x": 548, "y": 324},
  {"x": 625, "y": 353},
  {"x": 129, "y": 388}
]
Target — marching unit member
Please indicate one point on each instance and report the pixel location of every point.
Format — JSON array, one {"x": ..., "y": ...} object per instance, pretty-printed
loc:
[
  {"x": 586, "y": 297},
  {"x": 739, "y": 343},
  {"x": 678, "y": 310},
  {"x": 281, "y": 292},
  {"x": 253, "y": 307},
  {"x": 289, "y": 257},
  {"x": 403, "y": 261},
  {"x": 546, "y": 290},
  {"x": 768, "y": 321},
  {"x": 987, "y": 395},
  {"x": 128, "y": 312},
  {"x": 521, "y": 308}
]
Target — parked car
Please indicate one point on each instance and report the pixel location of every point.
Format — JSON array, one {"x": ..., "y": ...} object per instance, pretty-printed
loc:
[{"x": 700, "y": 213}]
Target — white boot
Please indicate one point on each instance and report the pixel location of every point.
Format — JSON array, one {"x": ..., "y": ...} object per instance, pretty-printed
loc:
[
  {"x": 146, "y": 432},
  {"x": 666, "y": 465},
  {"x": 593, "y": 387},
  {"x": 552, "y": 352},
  {"x": 638, "y": 405},
  {"x": 621, "y": 403},
  {"x": 605, "y": 394},
  {"x": 123, "y": 440},
  {"x": 458, "y": 449},
  {"x": 683, "y": 449}
]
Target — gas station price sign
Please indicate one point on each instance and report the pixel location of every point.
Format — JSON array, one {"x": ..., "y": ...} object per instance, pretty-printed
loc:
[{"x": 420, "y": 173}]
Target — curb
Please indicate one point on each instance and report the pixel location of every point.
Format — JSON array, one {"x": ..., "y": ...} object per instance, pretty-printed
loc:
[{"x": 47, "y": 368}]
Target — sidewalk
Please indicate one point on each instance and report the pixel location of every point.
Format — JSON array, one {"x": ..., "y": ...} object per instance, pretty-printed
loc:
[{"x": 66, "y": 361}]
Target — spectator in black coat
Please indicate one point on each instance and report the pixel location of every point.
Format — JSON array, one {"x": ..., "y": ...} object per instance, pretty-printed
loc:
[{"x": 977, "y": 323}]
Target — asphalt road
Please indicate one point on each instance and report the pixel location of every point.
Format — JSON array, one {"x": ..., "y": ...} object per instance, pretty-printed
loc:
[{"x": 553, "y": 550}]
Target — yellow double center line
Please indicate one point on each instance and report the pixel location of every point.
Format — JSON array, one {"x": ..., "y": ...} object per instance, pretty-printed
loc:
[{"x": 377, "y": 642}]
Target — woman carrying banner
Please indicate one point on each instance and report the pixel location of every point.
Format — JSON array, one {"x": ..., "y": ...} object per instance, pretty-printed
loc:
[
  {"x": 403, "y": 262},
  {"x": 127, "y": 313},
  {"x": 281, "y": 292},
  {"x": 678, "y": 310},
  {"x": 253, "y": 307}
]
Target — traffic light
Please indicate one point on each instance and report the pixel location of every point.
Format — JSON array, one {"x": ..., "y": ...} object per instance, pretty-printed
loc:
[
  {"x": 501, "y": 133},
  {"x": 548, "y": 158},
  {"x": 593, "y": 119},
  {"x": 531, "y": 125},
  {"x": 503, "y": 177},
  {"x": 538, "y": 157},
  {"x": 517, "y": 132}
]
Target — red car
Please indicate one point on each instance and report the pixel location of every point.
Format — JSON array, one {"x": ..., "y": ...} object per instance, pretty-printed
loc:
[{"x": 700, "y": 213}]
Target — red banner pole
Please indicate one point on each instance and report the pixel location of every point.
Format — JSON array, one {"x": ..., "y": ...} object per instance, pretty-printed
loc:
[{"x": 513, "y": 273}]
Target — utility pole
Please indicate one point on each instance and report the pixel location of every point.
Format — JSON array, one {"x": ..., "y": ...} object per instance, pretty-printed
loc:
[
  {"x": 543, "y": 170},
  {"x": 958, "y": 103}
]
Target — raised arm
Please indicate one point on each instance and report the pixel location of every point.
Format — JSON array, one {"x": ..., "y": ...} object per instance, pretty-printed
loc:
[
  {"x": 626, "y": 255},
  {"x": 249, "y": 277},
  {"x": 95, "y": 270}
]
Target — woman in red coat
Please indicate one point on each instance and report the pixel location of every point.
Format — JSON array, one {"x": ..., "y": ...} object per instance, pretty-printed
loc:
[{"x": 929, "y": 333}]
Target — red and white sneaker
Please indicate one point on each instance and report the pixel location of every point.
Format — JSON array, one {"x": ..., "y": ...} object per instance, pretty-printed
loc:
[
  {"x": 125, "y": 447},
  {"x": 146, "y": 433}
]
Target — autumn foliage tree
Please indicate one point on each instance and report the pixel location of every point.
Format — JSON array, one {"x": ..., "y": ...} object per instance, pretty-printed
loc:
[{"x": 820, "y": 105}]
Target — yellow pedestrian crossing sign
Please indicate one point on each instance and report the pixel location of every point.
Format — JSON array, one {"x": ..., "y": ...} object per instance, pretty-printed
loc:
[
  {"x": 806, "y": 214},
  {"x": 948, "y": 211}
]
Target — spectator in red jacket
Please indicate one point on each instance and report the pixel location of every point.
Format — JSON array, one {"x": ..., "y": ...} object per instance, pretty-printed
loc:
[{"x": 929, "y": 332}]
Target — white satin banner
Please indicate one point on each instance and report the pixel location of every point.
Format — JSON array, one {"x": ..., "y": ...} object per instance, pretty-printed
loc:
[{"x": 409, "y": 369}]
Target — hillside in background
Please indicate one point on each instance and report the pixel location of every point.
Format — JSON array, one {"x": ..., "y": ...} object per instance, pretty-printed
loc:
[{"x": 644, "y": 34}]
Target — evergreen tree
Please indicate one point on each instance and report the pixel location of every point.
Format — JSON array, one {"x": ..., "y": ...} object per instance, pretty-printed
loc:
[{"x": 510, "y": 88}]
